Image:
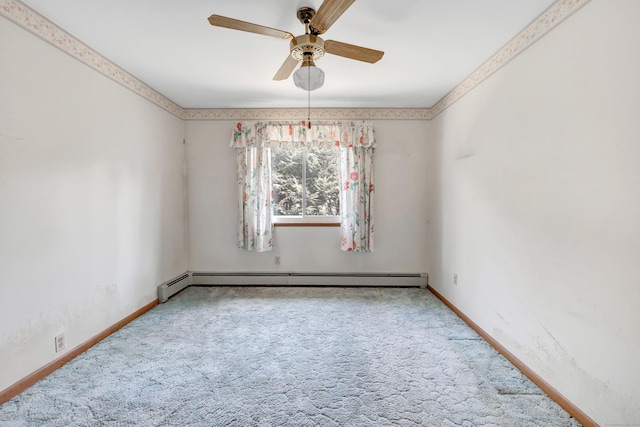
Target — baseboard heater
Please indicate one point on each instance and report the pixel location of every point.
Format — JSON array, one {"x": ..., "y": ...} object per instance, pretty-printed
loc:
[
  {"x": 311, "y": 279},
  {"x": 173, "y": 286}
]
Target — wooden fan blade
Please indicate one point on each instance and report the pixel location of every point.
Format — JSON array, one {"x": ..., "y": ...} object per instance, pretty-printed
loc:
[
  {"x": 286, "y": 69},
  {"x": 235, "y": 24},
  {"x": 328, "y": 13},
  {"x": 353, "y": 52}
]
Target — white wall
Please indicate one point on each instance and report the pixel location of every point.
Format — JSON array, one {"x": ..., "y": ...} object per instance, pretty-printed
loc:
[
  {"x": 539, "y": 208},
  {"x": 91, "y": 201},
  {"x": 403, "y": 164}
]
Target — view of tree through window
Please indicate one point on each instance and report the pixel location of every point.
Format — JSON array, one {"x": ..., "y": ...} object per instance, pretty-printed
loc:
[{"x": 305, "y": 180}]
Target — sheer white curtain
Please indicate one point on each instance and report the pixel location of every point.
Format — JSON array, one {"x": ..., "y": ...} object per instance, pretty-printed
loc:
[{"x": 356, "y": 143}]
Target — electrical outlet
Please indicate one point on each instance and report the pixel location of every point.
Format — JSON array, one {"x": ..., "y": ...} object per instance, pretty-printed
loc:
[
  {"x": 455, "y": 278},
  {"x": 277, "y": 259},
  {"x": 60, "y": 342}
]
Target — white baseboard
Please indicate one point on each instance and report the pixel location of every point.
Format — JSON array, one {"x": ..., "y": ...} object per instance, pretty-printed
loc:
[
  {"x": 177, "y": 284},
  {"x": 309, "y": 279}
]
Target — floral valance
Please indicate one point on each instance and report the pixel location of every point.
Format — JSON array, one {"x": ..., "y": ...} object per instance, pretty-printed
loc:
[{"x": 287, "y": 134}]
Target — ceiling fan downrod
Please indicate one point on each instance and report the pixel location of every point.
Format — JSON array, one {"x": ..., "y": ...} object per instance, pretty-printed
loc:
[{"x": 305, "y": 14}]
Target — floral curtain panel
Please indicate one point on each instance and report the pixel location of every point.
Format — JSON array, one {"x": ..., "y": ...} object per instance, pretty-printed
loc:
[
  {"x": 356, "y": 198},
  {"x": 255, "y": 199},
  {"x": 356, "y": 144}
]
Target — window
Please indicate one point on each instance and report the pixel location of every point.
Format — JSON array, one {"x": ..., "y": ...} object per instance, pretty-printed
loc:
[{"x": 305, "y": 184}]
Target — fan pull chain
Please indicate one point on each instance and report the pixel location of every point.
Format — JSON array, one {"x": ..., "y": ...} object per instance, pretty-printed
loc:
[{"x": 309, "y": 98}]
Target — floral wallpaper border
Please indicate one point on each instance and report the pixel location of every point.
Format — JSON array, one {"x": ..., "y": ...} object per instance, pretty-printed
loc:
[
  {"x": 316, "y": 114},
  {"x": 22, "y": 15}
]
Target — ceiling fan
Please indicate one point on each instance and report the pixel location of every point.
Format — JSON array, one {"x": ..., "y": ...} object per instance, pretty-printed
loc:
[{"x": 308, "y": 47}]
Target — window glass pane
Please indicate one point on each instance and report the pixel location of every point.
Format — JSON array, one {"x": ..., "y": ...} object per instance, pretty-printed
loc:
[
  {"x": 286, "y": 178},
  {"x": 322, "y": 181}
]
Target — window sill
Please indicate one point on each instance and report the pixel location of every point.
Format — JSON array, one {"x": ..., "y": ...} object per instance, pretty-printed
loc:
[
  {"x": 307, "y": 221},
  {"x": 306, "y": 224}
]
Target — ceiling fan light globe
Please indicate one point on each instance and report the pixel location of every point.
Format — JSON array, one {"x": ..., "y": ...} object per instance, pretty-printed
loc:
[{"x": 309, "y": 77}]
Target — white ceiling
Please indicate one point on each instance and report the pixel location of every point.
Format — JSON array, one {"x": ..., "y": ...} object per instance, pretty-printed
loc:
[{"x": 430, "y": 46}]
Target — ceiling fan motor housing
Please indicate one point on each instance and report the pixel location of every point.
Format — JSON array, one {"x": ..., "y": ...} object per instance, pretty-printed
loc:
[{"x": 309, "y": 44}]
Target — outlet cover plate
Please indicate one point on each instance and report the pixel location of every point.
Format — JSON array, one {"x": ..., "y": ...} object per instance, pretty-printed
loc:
[{"x": 60, "y": 343}]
